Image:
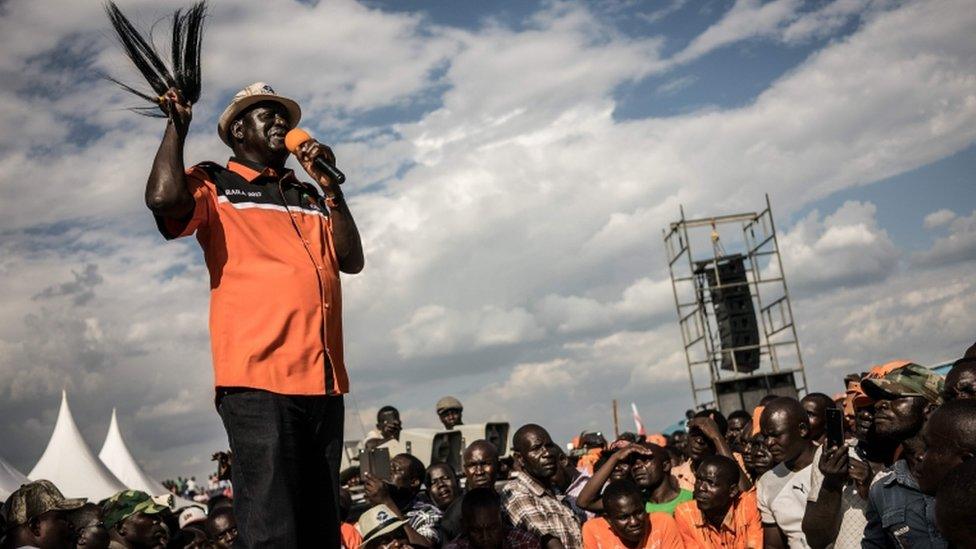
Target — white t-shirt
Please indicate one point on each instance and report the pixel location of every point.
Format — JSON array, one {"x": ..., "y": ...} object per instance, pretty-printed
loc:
[
  {"x": 853, "y": 509},
  {"x": 782, "y": 496}
]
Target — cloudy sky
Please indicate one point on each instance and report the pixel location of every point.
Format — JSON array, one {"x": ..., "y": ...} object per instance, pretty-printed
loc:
[{"x": 511, "y": 166}]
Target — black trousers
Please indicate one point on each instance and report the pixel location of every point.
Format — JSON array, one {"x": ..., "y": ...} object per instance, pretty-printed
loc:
[{"x": 285, "y": 470}]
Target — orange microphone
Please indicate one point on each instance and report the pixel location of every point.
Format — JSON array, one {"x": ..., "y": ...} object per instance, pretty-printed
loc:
[{"x": 294, "y": 139}]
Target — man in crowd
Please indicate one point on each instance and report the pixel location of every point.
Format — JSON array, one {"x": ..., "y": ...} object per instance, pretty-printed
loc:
[
  {"x": 483, "y": 527},
  {"x": 679, "y": 441},
  {"x": 955, "y": 506},
  {"x": 87, "y": 521},
  {"x": 383, "y": 528},
  {"x": 529, "y": 499},
  {"x": 221, "y": 527},
  {"x": 274, "y": 247},
  {"x": 36, "y": 515},
  {"x": 816, "y": 405},
  {"x": 401, "y": 495},
  {"x": 898, "y": 512},
  {"x": 570, "y": 482},
  {"x": 782, "y": 491},
  {"x": 960, "y": 382},
  {"x": 739, "y": 421},
  {"x": 950, "y": 439},
  {"x": 720, "y": 516},
  {"x": 651, "y": 471},
  {"x": 445, "y": 493},
  {"x": 756, "y": 457},
  {"x": 449, "y": 410},
  {"x": 627, "y": 523},
  {"x": 480, "y": 464},
  {"x": 134, "y": 520},
  {"x": 836, "y": 505},
  {"x": 706, "y": 437},
  {"x": 388, "y": 427}
]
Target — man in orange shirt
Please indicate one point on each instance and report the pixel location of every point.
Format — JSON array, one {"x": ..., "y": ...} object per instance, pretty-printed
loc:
[
  {"x": 627, "y": 524},
  {"x": 274, "y": 247},
  {"x": 721, "y": 516}
]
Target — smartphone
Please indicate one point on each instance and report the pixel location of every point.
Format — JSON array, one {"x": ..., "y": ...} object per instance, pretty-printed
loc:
[
  {"x": 376, "y": 462},
  {"x": 834, "y": 426}
]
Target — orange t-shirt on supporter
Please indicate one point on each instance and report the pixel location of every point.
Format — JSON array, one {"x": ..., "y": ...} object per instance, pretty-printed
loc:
[
  {"x": 741, "y": 529},
  {"x": 663, "y": 534},
  {"x": 351, "y": 539}
]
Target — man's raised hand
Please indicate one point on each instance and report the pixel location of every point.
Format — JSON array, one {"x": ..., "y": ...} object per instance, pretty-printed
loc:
[{"x": 177, "y": 109}]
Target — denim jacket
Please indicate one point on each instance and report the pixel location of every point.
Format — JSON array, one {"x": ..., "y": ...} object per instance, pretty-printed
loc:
[{"x": 899, "y": 515}]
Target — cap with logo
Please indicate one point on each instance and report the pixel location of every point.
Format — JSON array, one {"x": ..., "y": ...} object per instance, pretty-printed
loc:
[
  {"x": 252, "y": 95},
  {"x": 127, "y": 503},
  {"x": 34, "y": 499},
  {"x": 908, "y": 379},
  {"x": 377, "y": 521},
  {"x": 191, "y": 514},
  {"x": 448, "y": 403}
]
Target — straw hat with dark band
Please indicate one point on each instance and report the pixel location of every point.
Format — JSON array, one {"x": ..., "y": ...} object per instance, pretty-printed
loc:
[{"x": 252, "y": 95}]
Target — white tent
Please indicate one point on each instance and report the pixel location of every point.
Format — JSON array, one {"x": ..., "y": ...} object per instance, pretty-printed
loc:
[
  {"x": 70, "y": 464},
  {"x": 10, "y": 479},
  {"x": 115, "y": 455}
]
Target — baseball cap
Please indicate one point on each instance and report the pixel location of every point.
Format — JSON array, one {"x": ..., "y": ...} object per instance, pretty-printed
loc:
[
  {"x": 251, "y": 95},
  {"x": 908, "y": 379},
  {"x": 34, "y": 499},
  {"x": 127, "y": 503},
  {"x": 191, "y": 514},
  {"x": 449, "y": 403},
  {"x": 377, "y": 521}
]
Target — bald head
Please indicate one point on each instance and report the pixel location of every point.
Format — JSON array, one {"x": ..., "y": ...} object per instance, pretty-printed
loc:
[
  {"x": 521, "y": 438},
  {"x": 785, "y": 428}
]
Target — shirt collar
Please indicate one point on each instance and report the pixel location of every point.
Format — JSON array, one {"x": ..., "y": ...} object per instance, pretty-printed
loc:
[
  {"x": 728, "y": 523},
  {"x": 902, "y": 474},
  {"x": 531, "y": 485},
  {"x": 252, "y": 170}
]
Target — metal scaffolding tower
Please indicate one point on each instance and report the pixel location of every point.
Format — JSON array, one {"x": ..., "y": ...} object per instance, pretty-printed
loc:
[{"x": 751, "y": 237}]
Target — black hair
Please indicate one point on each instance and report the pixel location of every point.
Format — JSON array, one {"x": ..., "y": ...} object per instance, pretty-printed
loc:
[
  {"x": 479, "y": 498},
  {"x": 725, "y": 464},
  {"x": 183, "y": 73},
  {"x": 720, "y": 420},
  {"x": 960, "y": 417},
  {"x": 443, "y": 465},
  {"x": 740, "y": 414},
  {"x": 212, "y": 518},
  {"x": 619, "y": 489},
  {"x": 767, "y": 399},
  {"x": 415, "y": 467},
  {"x": 824, "y": 400},
  {"x": 385, "y": 410},
  {"x": 517, "y": 438}
]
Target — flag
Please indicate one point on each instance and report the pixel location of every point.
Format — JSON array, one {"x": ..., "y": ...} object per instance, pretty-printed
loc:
[{"x": 638, "y": 424}]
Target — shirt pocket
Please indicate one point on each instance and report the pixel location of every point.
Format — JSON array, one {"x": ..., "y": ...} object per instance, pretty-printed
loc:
[{"x": 895, "y": 523}]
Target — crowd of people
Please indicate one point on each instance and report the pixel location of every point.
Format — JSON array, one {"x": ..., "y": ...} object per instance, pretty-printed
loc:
[{"x": 901, "y": 474}]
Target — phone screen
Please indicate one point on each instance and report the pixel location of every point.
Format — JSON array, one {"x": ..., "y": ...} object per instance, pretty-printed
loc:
[{"x": 834, "y": 425}]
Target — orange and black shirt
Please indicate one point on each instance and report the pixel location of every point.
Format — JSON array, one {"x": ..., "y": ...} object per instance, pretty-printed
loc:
[{"x": 275, "y": 296}]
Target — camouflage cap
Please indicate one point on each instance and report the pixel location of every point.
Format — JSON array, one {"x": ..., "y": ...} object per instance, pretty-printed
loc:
[
  {"x": 34, "y": 499},
  {"x": 127, "y": 503},
  {"x": 907, "y": 380}
]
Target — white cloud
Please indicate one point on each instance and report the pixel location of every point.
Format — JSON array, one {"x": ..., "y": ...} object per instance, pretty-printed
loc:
[
  {"x": 746, "y": 19},
  {"x": 845, "y": 248},
  {"x": 434, "y": 330},
  {"x": 958, "y": 245},
  {"x": 939, "y": 218}
]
